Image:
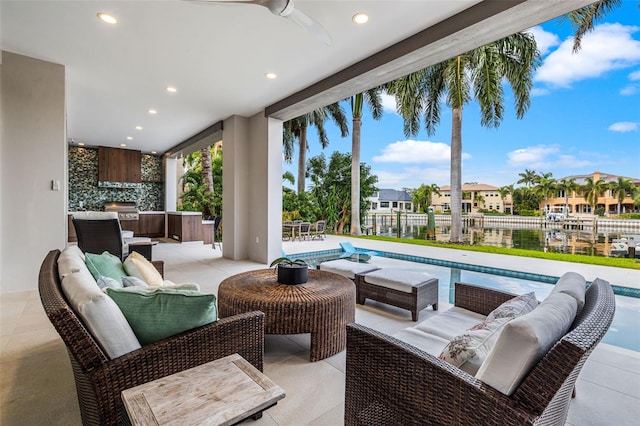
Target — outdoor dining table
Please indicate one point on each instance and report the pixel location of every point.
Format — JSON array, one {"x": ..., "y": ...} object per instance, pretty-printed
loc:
[{"x": 292, "y": 228}]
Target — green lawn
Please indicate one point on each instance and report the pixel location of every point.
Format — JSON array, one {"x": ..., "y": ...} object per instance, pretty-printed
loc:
[{"x": 576, "y": 258}]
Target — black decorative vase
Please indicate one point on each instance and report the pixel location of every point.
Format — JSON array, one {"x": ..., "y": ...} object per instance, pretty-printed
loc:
[{"x": 292, "y": 274}]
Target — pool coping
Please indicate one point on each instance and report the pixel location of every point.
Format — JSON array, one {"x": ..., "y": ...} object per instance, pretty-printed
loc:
[{"x": 547, "y": 279}]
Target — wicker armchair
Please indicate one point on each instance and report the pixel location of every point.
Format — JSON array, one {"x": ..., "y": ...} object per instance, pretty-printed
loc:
[
  {"x": 389, "y": 382},
  {"x": 99, "y": 380}
]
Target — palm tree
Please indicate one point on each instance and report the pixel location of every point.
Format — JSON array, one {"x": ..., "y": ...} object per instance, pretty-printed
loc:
[
  {"x": 568, "y": 186},
  {"x": 620, "y": 188},
  {"x": 297, "y": 129},
  {"x": 545, "y": 186},
  {"x": 528, "y": 177},
  {"x": 504, "y": 191},
  {"x": 374, "y": 101},
  {"x": 584, "y": 19},
  {"x": 423, "y": 195},
  {"x": 476, "y": 74},
  {"x": 592, "y": 190}
]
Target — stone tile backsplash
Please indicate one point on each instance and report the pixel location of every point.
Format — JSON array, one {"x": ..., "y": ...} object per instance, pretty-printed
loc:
[{"x": 83, "y": 183}]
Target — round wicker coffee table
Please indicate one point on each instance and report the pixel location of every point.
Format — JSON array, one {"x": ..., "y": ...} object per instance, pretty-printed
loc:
[{"x": 323, "y": 306}]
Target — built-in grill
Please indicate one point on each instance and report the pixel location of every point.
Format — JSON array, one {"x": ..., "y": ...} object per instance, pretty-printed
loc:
[{"x": 127, "y": 210}]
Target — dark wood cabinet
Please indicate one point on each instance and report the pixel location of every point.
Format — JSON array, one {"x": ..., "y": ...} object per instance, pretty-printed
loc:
[
  {"x": 151, "y": 225},
  {"x": 119, "y": 165},
  {"x": 189, "y": 227}
]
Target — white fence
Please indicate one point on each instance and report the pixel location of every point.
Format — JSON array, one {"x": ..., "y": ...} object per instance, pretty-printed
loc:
[{"x": 374, "y": 222}]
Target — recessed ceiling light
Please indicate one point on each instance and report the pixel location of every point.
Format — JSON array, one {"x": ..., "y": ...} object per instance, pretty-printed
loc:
[
  {"x": 80, "y": 143},
  {"x": 109, "y": 19},
  {"x": 129, "y": 138},
  {"x": 153, "y": 152},
  {"x": 153, "y": 111},
  {"x": 360, "y": 18},
  {"x": 138, "y": 127},
  {"x": 123, "y": 144},
  {"x": 171, "y": 89},
  {"x": 270, "y": 75}
]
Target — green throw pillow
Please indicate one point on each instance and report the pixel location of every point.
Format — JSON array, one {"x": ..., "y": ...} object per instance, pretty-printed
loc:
[
  {"x": 105, "y": 264},
  {"x": 159, "y": 313}
]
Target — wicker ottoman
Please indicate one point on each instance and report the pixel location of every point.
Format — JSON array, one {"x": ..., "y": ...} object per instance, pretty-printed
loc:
[{"x": 408, "y": 290}]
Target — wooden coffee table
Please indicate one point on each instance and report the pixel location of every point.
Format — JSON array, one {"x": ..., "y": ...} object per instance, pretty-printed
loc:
[
  {"x": 220, "y": 392},
  {"x": 323, "y": 306}
]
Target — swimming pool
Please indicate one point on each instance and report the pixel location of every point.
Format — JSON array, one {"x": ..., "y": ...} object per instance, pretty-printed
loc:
[{"x": 623, "y": 331}]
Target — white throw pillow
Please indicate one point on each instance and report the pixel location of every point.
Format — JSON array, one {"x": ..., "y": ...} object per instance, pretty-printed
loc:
[
  {"x": 525, "y": 340},
  {"x": 469, "y": 350}
]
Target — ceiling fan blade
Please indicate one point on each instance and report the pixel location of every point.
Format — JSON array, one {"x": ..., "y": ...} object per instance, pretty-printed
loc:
[
  {"x": 285, "y": 9},
  {"x": 311, "y": 25}
]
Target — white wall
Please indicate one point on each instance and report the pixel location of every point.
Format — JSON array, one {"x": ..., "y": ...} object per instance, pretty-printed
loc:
[{"x": 33, "y": 154}]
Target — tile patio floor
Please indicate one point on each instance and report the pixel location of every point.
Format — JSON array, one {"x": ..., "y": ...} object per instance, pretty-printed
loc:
[{"x": 36, "y": 383}]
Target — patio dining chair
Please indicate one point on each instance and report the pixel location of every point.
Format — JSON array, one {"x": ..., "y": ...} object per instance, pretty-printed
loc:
[
  {"x": 318, "y": 230},
  {"x": 304, "y": 231}
]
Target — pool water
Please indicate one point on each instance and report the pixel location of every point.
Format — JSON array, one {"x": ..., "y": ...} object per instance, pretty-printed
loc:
[{"x": 623, "y": 331}]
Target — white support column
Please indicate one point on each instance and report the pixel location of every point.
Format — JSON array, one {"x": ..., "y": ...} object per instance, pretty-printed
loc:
[
  {"x": 252, "y": 194},
  {"x": 171, "y": 177}
]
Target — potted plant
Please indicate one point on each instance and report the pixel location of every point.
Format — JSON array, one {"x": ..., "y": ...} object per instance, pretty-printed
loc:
[{"x": 290, "y": 271}]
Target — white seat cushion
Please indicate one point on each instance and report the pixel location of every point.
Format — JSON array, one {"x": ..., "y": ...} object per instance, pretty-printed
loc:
[
  {"x": 397, "y": 279},
  {"x": 101, "y": 315},
  {"x": 427, "y": 342},
  {"x": 70, "y": 260},
  {"x": 91, "y": 215},
  {"x": 572, "y": 284},
  {"x": 525, "y": 340},
  {"x": 450, "y": 323},
  {"x": 346, "y": 268}
]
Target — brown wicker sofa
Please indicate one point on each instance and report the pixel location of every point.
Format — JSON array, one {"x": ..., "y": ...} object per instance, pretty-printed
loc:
[
  {"x": 99, "y": 379},
  {"x": 390, "y": 382}
]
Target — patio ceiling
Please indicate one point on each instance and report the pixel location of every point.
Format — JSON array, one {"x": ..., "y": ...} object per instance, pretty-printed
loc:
[{"x": 216, "y": 56}]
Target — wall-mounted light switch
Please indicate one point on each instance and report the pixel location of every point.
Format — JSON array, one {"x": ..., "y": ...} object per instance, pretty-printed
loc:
[{"x": 55, "y": 185}]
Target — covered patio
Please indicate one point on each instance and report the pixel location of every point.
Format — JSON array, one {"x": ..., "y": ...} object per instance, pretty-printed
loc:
[{"x": 38, "y": 388}]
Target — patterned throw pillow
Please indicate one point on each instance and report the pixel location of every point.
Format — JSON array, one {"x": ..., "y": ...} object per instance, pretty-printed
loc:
[
  {"x": 515, "y": 307},
  {"x": 104, "y": 282},
  {"x": 469, "y": 350},
  {"x": 131, "y": 281}
]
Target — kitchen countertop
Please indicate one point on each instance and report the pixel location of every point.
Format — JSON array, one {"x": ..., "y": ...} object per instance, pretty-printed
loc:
[{"x": 185, "y": 213}]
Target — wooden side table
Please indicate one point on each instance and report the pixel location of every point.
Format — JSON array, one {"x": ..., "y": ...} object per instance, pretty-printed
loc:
[
  {"x": 220, "y": 392},
  {"x": 323, "y": 306}
]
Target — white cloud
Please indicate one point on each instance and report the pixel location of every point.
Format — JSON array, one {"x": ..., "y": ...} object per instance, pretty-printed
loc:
[
  {"x": 410, "y": 151},
  {"x": 623, "y": 126},
  {"x": 412, "y": 177},
  {"x": 538, "y": 91},
  {"x": 634, "y": 76},
  {"x": 630, "y": 90},
  {"x": 544, "y": 39},
  {"x": 544, "y": 157},
  {"x": 608, "y": 47},
  {"x": 388, "y": 103}
]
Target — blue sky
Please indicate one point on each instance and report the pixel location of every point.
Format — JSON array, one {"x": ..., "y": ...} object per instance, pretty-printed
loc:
[{"x": 584, "y": 116}]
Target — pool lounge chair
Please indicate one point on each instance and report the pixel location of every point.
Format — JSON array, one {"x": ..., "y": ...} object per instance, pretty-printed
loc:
[{"x": 349, "y": 250}]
